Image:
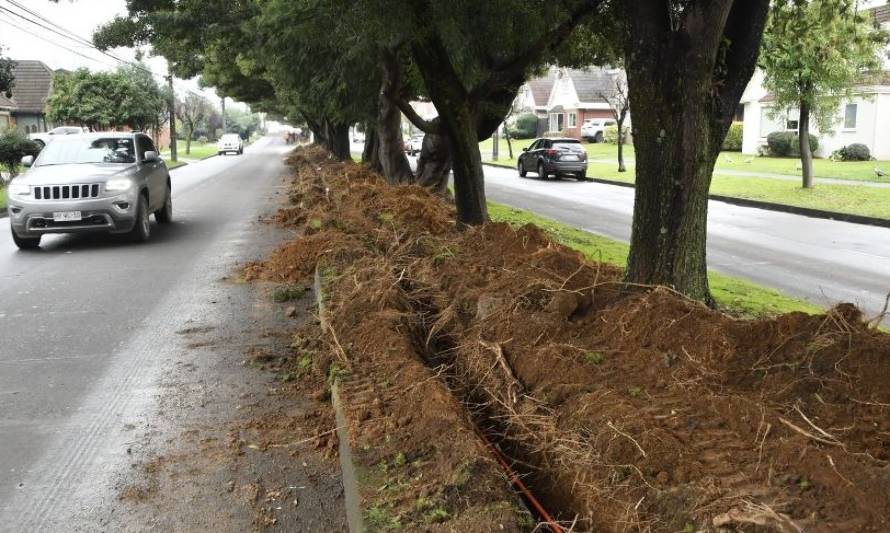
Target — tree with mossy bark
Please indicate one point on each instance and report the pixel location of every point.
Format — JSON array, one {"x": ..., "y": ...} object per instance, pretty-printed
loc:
[
  {"x": 688, "y": 63},
  {"x": 815, "y": 52}
]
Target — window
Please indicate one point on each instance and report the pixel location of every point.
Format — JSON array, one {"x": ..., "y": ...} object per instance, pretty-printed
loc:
[
  {"x": 144, "y": 144},
  {"x": 793, "y": 119},
  {"x": 850, "y": 116},
  {"x": 573, "y": 120},
  {"x": 557, "y": 121}
]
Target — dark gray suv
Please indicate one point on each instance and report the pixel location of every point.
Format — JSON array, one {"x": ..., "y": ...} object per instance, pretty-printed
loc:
[
  {"x": 554, "y": 157},
  {"x": 107, "y": 182}
]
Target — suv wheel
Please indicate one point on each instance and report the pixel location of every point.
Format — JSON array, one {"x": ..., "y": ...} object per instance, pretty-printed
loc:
[
  {"x": 521, "y": 169},
  {"x": 599, "y": 137},
  {"x": 541, "y": 173},
  {"x": 142, "y": 228},
  {"x": 164, "y": 215},
  {"x": 25, "y": 243}
]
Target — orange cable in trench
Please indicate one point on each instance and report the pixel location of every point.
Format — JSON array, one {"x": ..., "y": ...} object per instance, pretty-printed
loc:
[{"x": 517, "y": 482}]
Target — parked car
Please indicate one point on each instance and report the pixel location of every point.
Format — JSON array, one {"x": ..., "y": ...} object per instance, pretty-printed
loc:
[
  {"x": 95, "y": 182},
  {"x": 230, "y": 142},
  {"x": 554, "y": 157},
  {"x": 45, "y": 137},
  {"x": 358, "y": 137},
  {"x": 415, "y": 144},
  {"x": 593, "y": 129}
]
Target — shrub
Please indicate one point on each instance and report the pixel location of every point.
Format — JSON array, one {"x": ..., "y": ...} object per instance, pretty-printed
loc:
[
  {"x": 525, "y": 127},
  {"x": 786, "y": 144},
  {"x": 202, "y": 139},
  {"x": 733, "y": 140},
  {"x": 610, "y": 135},
  {"x": 14, "y": 145},
  {"x": 853, "y": 152}
]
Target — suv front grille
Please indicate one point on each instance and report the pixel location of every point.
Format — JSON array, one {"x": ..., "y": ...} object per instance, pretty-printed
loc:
[{"x": 66, "y": 192}]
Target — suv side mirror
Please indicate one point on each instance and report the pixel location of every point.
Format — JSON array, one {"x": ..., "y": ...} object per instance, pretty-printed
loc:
[
  {"x": 525, "y": 149},
  {"x": 28, "y": 160},
  {"x": 150, "y": 157}
]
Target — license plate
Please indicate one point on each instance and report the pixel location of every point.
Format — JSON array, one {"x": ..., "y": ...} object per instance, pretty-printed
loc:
[
  {"x": 569, "y": 158},
  {"x": 67, "y": 216}
]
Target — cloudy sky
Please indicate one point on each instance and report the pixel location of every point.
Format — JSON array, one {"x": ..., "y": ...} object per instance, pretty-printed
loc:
[{"x": 22, "y": 39}]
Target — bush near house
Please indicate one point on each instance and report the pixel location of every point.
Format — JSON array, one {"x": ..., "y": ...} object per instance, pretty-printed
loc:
[
  {"x": 610, "y": 135},
  {"x": 852, "y": 152},
  {"x": 733, "y": 140},
  {"x": 786, "y": 144},
  {"x": 525, "y": 127},
  {"x": 14, "y": 145}
]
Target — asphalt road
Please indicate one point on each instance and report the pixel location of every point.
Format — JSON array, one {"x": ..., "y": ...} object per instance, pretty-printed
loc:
[
  {"x": 822, "y": 261},
  {"x": 85, "y": 321}
]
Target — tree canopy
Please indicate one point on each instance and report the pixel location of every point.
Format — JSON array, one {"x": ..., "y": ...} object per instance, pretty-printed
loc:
[{"x": 128, "y": 96}]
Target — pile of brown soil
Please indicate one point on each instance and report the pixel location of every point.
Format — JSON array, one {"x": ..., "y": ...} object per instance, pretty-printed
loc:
[{"x": 628, "y": 408}]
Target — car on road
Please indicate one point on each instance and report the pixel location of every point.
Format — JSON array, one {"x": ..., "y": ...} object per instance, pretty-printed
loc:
[
  {"x": 554, "y": 157},
  {"x": 415, "y": 144},
  {"x": 44, "y": 138},
  {"x": 95, "y": 182},
  {"x": 230, "y": 142},
  {"x": 593, "y": 129}
]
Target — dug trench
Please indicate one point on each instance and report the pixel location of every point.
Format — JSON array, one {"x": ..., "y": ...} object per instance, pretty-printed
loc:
[{"x": 625, "y": 408}]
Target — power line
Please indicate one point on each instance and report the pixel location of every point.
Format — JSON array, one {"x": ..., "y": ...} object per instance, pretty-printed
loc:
[
  {"x": 78, "y": 39},
  {"x": 29, "y": 32}
]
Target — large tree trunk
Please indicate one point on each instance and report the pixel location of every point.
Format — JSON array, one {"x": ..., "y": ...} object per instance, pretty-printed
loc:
[
  {"x": 338, "y": 140},
  {"x": 806, "y": 155},
  {"x": 391, "y": 148},
  {"x": 686, "y": 74},
  {"x": 434, "y": 164},
  {"x": 371, "y": 152},
  {"x": 469, "y": 177}
]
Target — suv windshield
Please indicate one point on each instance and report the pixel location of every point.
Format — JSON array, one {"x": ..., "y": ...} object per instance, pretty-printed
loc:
[
  {"x": 77, "y": 150},
  {"x": 230, "y": 137}
]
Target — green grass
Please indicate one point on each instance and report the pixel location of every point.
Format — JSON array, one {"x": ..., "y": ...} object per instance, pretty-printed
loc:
[
  {"x": 2, "y": 197},
  {"x": 737, "y": 296},
  {"x": 198, "y": 150},
  {"x": 735, "y": 161}
]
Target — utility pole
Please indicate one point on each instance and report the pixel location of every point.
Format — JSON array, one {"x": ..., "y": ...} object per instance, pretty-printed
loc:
[
  {"x": 172, "y": 109},
  {"x": 223, "y": 104}
]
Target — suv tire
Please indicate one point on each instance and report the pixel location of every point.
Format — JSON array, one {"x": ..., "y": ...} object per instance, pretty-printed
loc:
[
  {"x": 142, "y": 228},
  {"x": 521, "y": 169},
  {"x": 25, "y": 243},
  {"x": 164, "y": 215},
  {"x": 541, "y": 174},
  {"x": 599, "y": 137}
]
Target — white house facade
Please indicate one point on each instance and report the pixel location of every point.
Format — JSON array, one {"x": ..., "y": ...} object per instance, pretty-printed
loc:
[{"x": 864, "y": 118}]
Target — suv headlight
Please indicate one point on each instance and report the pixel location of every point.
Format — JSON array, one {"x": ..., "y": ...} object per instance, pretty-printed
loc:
[
  {"x": 19, "y": 189},
  {"x": 118, "y": 184}
]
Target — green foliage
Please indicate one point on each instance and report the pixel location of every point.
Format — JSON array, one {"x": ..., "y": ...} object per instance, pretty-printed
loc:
[
  {"x": 787, "y": 144},
  {"x": 853, "y": 152},
  {"x": 525, "y": 127},
  {"x": 815, "y": 52},
  {"x": 7, "y": 79},
  {"x": 244, "y": 123},
  {"x": 14, "y": 145},
  {"x": 288, "y": 293},
  {"x": 128, "y": 96},
  {"x": 594, "y": 358},
  {"x": 733, "y": 140},
  {"x": 610, "y": 135}
]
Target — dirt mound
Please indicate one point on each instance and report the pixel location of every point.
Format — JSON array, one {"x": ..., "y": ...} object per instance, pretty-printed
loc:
[{"x": 627, "y": 408}]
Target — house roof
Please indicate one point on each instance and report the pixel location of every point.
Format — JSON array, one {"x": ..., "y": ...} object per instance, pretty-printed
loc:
[
  {"x": 33, "y": 83},
  {"x": 881, "y": 14},
  {"x": 590, "y": 83},
  {"x": 541, "y": 88}
]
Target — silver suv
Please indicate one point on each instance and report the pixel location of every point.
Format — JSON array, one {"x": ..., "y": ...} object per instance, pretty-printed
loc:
[{"x": 107, "y": 182}]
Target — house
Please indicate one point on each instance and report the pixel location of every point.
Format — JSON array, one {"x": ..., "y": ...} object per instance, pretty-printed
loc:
[
  {"x": 578, "y": 95},
  {"x": 33, "y": 84},
  {"x": 7, "y": 106},
  {"x": 534, "y": 95},
  {"x": 861, "y": 119}
]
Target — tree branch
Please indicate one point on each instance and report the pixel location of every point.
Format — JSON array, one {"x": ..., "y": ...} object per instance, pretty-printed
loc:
[
  {"x": 743, "y": 31},
  {"x": 419, "y": 122}
]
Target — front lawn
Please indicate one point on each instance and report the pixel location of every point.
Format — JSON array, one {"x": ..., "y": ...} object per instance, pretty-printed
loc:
[
  {"x": 2, "y": 197},
  {"x": 198, "y": 150},
  {"x": 738, "y": 296}
]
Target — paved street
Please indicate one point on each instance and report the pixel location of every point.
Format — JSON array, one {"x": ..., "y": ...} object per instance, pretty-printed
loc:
[
  {"x": 822, "y": 261},
  {"x": 88, "y": 324}
]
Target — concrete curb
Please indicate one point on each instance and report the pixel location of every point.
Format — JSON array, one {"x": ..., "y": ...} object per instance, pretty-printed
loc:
[
  {"x": 351, "y": 496},
  {"x": 769, "y": 206}
]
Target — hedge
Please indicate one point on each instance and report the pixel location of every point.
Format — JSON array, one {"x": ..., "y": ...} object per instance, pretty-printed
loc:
[
  {"x": 787, "y": 144},
  {"x": 733, "y": 140}
]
